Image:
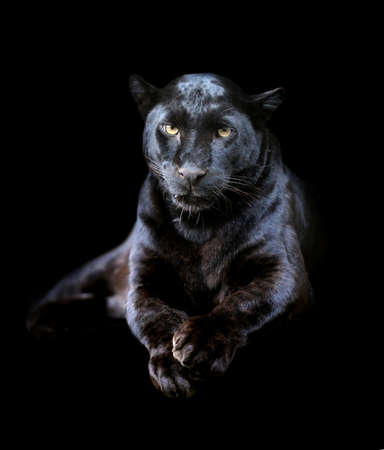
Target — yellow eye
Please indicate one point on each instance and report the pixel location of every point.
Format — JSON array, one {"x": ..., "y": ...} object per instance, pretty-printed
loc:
[
  {"x": 170, "y": 129},
  {"x": 224, "y": 132}
]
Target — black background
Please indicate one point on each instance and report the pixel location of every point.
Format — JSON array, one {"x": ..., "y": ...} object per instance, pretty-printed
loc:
[{"x": 80, "y": 169}]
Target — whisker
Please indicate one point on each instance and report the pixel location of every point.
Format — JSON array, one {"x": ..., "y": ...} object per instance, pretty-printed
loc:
[
  {"x": 241, "y": 183},
  {"x": 220, "y": 195},
  {"x": 155, "y": 167},
  {"x": 242, "y": 187}
]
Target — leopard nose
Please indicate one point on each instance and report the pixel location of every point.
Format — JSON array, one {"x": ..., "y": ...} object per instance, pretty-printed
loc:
[{"x": 192, "y": 175}]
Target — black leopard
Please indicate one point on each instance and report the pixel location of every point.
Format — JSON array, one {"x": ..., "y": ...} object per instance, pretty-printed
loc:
[{"x": 224, "y": 239}]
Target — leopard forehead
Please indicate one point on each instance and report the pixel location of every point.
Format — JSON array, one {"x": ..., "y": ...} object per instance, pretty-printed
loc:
[
  {"x": 199, "y": 93},
  {"x": 203, "y": 85}
]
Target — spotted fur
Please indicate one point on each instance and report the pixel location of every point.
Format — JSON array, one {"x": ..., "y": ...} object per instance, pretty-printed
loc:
[{"x": 223, "y": 241}]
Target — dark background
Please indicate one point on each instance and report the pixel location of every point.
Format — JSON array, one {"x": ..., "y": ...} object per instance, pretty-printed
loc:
[{"x": 80, "y": 171}]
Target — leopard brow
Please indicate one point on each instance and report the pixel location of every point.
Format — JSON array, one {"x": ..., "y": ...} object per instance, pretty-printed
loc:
[{"x": 213, "y": 113}]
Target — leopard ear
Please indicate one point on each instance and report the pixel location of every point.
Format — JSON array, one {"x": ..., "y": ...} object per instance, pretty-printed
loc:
[
  {"x": 144, "y": 94},
  {"x": 268, "y": 101}
]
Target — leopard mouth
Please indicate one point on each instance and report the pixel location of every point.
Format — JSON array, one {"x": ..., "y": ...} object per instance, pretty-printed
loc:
[{"x": 191, "y": 203}]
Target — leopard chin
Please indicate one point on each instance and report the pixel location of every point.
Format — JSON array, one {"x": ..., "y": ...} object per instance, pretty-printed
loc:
[{"x": 192, "y": 203}]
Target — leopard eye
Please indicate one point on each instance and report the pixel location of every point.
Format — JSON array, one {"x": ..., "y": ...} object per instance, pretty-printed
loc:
[
  {"x": 224, "y": 132},
  {"x": 172, "y": 130}
]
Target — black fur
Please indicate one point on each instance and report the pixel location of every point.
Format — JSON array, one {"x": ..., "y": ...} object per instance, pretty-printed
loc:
[{"x": 224, "y": 239}]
